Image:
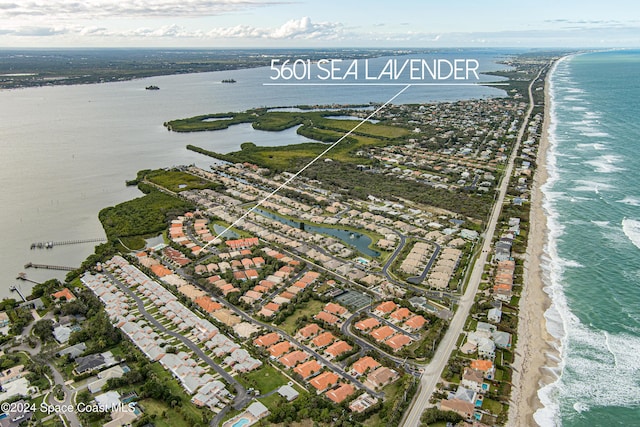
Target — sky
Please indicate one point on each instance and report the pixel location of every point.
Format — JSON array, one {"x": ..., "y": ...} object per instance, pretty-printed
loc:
[{"x": 319, "y": 23}]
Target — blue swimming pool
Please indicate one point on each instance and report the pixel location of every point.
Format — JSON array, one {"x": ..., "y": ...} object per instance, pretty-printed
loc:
[{"x": 241, "y": 422}]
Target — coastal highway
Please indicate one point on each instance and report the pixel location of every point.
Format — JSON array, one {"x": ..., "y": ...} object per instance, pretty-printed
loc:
[{"x": 432, "y": 372}]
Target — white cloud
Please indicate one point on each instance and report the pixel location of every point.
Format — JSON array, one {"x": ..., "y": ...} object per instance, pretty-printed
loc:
[
  {"x": 91, "y": 9},
  {"x": 302, "y": 28}
]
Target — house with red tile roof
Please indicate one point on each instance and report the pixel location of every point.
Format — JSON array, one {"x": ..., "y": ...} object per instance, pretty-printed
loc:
[
  {"x": 208, "y": 304},
  {"x": 484, "y": 366},
  {"x": 160, "y": 270},
  {"x": 309, "y": 331},
  {"x": 252, "y": 274},
  {"x": 335, "y": 309},
  {"x": 267, "y": 283},
  {"x": 324, "y": 381},
  {"x": 240, "y": 275},
  {"x": 382, "y": 333},
  {"x": 385, "y": 308},
  {"x": 415, "y": 323},
  {"x": 254, "y": 295},
  {"x": 308, "y": 369},
  {"x": 310, "y": 277},
  {"x": 364, "y": 365},
  {"x": 279, "y": 349},
  {"x": 258, "y": 261},
  {"x": 242, "y": 243},
  {"x": 323, "y": 340},
  {"x": 339, "y": 394},
  {"x": 287, "y": 295},
  {"x": 300, "y": 284},
  {"x": 267, "y": 340},
  {"x": 64, "y": 293},
  {"x": 338, "y": 348},
  {"x": 367, "y": 324},
  {"x": 398, "y": 341},
  {"x": 326, "y": 317},
  {"x": 272, "y": 306},
  {"x": 401, "y": 314},
  {"x": 292, "y": 359},
  {"x": 266, "y": 313}
]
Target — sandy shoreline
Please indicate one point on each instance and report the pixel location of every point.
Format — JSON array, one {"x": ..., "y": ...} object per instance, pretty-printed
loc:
[{"x": 533, "y": 347}]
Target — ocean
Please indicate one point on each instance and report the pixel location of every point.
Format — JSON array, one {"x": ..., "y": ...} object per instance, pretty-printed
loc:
[
  {"x": 68, "y": 150},
  {"x": 592, "y": 259}
]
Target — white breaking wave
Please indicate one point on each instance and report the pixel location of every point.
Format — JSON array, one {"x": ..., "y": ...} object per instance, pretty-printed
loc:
[
  {"x": 598, "y": 146},
  {"x": 631, "y": 228},
  {"x": 606, "y": 163},
  {"x": 630, "y": 200},
  {"x": 591, "y": 186},
  {"x": 602, "y": 224}
]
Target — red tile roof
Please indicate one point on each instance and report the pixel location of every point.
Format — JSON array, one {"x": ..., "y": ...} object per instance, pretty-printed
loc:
[
  {"x": 306, "y": 369},
  {"x": 267, "y": 340},
  {"x": 292, "y": 359},
  {"x": 398, "y": 341},
  {"x": 207, "y": 304},
  {"x": 310, "y": 330},
  {"x": 386, "y": 307},
  {"x": 242, "y": 243},
  {"x": 341, "y": 393},
  {"x": 64, "y": 292},
  {"x": 324, "y": 381},
  {"x": 272, "y": 306},
  {"x": 279, "y": 349},
  {"x": 366, "y": 324},
  {"x": 323, "y": 339},
  {"x": 326, "y": 317},
  {"x": 338, "y": 348},
  {"x": 335, "y": 309},
  {"x": 382, "y": 333},
  {"x": 416, "y": 322},
  {"x": 364, "y": 364},
  {"x": 401, "y": 314}
]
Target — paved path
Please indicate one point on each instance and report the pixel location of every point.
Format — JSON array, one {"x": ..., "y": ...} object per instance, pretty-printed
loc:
[{"x": 432, "y": 373}]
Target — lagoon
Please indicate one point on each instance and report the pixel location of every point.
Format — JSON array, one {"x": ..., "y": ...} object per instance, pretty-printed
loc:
[{"x": 68, "y": 150}]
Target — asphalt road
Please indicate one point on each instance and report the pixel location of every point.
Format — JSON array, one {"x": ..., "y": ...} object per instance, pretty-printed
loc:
[
  {"x": 241, "y": 399},
  {"x": 432, "y": 372}
]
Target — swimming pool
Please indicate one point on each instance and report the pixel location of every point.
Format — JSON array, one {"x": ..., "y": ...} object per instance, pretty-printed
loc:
[{"x": 241, "y": 422}]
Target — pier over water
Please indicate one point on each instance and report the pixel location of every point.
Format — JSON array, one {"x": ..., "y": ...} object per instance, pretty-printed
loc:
[
  {"x": 50, "y": 245},
  {"x": 49, "y": 267}
]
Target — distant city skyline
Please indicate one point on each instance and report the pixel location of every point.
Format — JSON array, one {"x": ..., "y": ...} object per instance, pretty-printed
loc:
[{"x": 327, "y": 23}]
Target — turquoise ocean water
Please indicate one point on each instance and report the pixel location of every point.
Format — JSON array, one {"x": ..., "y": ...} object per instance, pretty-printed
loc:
[{"x": 592, "y": 261}]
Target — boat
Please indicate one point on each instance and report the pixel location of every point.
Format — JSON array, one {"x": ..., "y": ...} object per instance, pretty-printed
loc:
[
  {"x": 228, "y": 81},
  {"x": 152, "y": 87}
]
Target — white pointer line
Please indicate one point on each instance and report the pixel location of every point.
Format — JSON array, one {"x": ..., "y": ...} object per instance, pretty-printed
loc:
[
  {"x": 331, "y": 147},
  {"x": 385, "y": 84}
]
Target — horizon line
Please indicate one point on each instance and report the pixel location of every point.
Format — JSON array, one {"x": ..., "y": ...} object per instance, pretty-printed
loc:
[{"x": 384, "y": 84}]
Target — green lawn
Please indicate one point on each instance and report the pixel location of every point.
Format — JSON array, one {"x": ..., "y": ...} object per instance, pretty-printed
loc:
[
  {"x": 310, "y": 309},
  {"x": 492, "y": 406},
  {"x": 165, "y": 416},
  {"x": 177, "y": 181},
  {"x": 265, "y": 379},
  {"x": 376, "y": 130},
  {"x": 169, "y": 381}
]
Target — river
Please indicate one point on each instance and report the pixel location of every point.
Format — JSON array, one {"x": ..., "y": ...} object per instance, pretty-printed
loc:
[{"x": 68, "y": 150}]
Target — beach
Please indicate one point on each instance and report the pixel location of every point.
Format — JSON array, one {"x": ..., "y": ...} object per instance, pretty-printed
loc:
[{"x": 533, "y": 351}]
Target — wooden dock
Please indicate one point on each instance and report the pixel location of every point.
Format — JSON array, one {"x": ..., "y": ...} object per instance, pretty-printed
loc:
[
  {"x": 49, "y": 267},
  {"x": 49, "y": 245}
]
